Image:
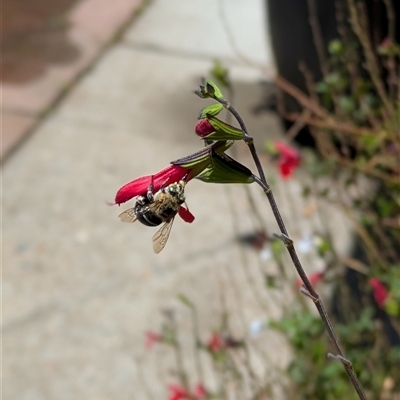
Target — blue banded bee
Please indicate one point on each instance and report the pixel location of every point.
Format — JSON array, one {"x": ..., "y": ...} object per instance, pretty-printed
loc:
[{"x": 158, "y": 208}]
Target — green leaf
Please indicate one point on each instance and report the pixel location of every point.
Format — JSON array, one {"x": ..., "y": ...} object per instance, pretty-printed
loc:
[
  {"x": 392, "y": 307},
  {"x": 209, "y": 90},
  {"x": 298, "y": 371},
  {"x": 347, "y": 104},
  {"x": 271, "y": 148},
  {"x": 335, "y": 47},
  {"x": 394, "y": 355},
  {"x": 225, "y": 169},
  {"x": 372, "y": 143},
  {"x": 277, "y": 248},
  {"x": 213, "y": 109},
  {"x": 323, "y": 246},
  {"x": 220, "y": 73},
  {"x": 271, "y": 281},
  {"x": 184, "y": 300},
  {"x": 335, "y": 80},
  {"x": 213, "y": 90},
  {"x": 321, "y": 87},
  {"x": 306, "y": 191}
]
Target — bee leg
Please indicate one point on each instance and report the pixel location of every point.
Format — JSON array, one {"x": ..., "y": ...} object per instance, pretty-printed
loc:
[
  {"x": 185, "y": 177},
  {"x": 150, "y": 195},
  {"x": 141, "y": 200}
]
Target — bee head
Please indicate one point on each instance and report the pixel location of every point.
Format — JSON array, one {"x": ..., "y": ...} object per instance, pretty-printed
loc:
[{"x": 177, "y": 190}]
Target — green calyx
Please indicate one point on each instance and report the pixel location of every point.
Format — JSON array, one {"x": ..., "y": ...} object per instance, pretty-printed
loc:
[
  {"x": 201, "y": 160},
  {"x": 223, "y": 131},
  {"x": 209, "y": 90},
  {"x": 213, "y": 109},
  {"x": 224, "y": 169}
]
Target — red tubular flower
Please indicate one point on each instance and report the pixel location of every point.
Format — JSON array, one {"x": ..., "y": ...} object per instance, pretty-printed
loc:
[
  {"x": 289, "y": 159},
  {"x": 204, "y": 128},
  {"x": 139, "y": 186},
  {"x": 177, "y": 392},
  {"x": 380, "y": 293},
  {"x": 152, "y": 338}
]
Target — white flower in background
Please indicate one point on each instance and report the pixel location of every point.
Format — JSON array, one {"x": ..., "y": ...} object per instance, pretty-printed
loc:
[
  {"x": 256, "y": 326},
  {"x": 306, "y": 244}
]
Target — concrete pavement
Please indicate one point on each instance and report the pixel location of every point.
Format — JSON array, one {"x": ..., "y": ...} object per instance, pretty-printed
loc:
[{"x": 79, "y": 287}]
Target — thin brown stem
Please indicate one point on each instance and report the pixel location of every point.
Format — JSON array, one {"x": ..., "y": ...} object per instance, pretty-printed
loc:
[
  {"x": 317, "y": 35},
  {"x": 358, "y": 20},
  {"x": 392, "y": 78},
  {"x": 261, "y": 181},
  {"x": 303, "y": 99}
]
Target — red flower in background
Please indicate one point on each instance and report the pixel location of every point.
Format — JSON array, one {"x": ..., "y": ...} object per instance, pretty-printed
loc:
[
  {"x": 216, "y": 342},
  {"x": 289, "y": 159},
  {"x": 199, "y": 392},
  {"x": 177, "y": 392},
  {"x": 380, "y": 293},
  {"x": 313, "y": 278},
  {"x": 152, "y": 338}
]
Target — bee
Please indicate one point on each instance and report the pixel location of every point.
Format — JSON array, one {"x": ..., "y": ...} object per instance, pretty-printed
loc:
[{"x": 155, "y": 209}]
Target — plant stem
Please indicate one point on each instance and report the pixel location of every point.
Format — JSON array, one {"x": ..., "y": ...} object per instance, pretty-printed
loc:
[
  {"x": 293, "y": 255},
  {"x": 196, "y": 335}
]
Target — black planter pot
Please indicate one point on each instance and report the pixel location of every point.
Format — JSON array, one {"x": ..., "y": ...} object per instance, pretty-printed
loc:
[{"x": 293, "y": 42}]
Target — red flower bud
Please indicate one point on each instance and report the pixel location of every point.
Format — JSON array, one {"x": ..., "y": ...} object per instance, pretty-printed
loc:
[{"x": 204, "y": 128}]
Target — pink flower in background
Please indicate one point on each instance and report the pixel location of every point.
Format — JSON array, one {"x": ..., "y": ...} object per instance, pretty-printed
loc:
[
  {"x": 177, "y": 392},
  {"x": 380, "y": 293},
  {"x": 152, "y": 338},
  {"x": 289, "y": 159},
  {"x": 199, "y": 392},
  {"x": 313, "y": 278}
]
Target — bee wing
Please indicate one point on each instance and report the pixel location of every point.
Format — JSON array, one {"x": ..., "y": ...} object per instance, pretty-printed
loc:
[
  {"x": 161, "y": 236},
  {"x": 128, "y": 215}
]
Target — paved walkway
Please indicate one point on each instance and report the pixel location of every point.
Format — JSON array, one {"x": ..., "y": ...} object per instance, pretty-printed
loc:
[{"x": 79, "y": 287}]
